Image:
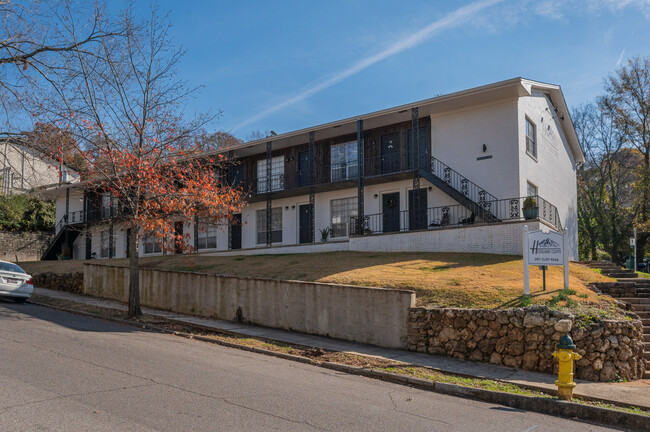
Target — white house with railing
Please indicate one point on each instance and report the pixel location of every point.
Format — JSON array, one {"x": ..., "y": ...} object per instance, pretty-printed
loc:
[{"x": 451, "y": 173}]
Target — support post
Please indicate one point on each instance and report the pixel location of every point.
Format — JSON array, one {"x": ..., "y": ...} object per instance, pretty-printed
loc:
[
  {"x": 360, "y": 162},
  {"x": 269, "y": 239},
  {"x": 415, "y": 166},
  {"x": 526, "y": 278},
  {"x": 312, "y": 189},
  {"x": 634, "y": 249},
  {"x": 110, "y": 241},
  {"x": 565, "y": 257},
  {"x": 196, "y": 233}
]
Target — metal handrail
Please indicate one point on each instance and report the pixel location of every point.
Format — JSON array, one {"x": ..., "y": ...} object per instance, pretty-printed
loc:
[
  {"x": 458, "y": 215},
  {"x": 459, "y": 182}
]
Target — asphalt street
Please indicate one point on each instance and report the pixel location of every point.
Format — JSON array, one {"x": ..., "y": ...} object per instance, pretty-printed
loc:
[{"x": 65, "y": 372}]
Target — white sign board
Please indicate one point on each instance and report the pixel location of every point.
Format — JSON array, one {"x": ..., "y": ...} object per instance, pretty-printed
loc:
[
  {"x": 545, "y": 248},
  {"x": 632, "y": 242}
]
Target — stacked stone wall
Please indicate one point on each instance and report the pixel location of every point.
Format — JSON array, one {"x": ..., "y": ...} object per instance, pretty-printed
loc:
[
  {"x": 526, "y": 337},
  {"x": 71, "y": 282},
  {"x": 22, "y": 246}
]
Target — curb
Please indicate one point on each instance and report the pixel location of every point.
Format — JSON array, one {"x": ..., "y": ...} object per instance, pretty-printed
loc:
[{"x": 557, "y": 408}]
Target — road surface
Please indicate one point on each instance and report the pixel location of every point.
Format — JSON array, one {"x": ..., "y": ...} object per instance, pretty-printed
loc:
[{"x": 60, "y": 371}]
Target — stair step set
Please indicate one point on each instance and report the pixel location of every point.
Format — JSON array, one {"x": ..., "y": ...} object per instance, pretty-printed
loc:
[{"x": 633, "y": 291}]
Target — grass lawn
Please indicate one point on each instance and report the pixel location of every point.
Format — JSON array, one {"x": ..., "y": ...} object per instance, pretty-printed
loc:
[{"x": 451, "y": 279}]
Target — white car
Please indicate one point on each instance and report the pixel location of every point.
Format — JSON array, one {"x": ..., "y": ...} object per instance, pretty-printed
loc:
[{"x": 14, "y": 282}]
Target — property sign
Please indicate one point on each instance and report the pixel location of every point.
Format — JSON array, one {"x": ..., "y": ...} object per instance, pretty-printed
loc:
[
  {"x": 545, "y": 248},
  {"x": 632, "y": 242}
]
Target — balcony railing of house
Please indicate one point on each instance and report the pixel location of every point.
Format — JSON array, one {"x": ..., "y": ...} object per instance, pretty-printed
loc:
[
  {"x": 511, "y": 209},
  {"x": 466, "y": 187}
]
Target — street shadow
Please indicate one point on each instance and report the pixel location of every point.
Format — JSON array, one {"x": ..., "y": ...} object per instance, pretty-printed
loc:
[{"x": 10, "y": 311}]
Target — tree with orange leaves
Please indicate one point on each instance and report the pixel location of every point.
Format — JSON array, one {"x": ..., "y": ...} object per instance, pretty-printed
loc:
[{"x": 123, "y": 107}]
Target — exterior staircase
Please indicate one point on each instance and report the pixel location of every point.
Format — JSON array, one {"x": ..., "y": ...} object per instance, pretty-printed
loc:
[
  {"x": 633, "y": 291},
  {"x": 461, "y": 189}
]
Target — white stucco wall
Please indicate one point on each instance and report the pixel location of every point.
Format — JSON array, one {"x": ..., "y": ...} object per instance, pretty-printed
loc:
[
  {"x": 457, "y": 139},
  {"x": 553, "y": 171}
]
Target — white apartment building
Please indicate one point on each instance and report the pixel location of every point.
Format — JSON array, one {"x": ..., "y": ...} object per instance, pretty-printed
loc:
[{"x": 459, "y": 183}]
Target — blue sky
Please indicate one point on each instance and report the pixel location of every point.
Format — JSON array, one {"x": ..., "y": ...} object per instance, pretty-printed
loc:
[{"x": 285, "y": 65}]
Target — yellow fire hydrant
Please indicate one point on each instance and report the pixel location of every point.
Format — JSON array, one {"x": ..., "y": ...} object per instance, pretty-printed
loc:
[{"x": 565, "y": 355}]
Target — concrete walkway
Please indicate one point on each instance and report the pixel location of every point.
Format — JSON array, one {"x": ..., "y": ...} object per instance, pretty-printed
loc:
[{"x": 635, "y": 393}]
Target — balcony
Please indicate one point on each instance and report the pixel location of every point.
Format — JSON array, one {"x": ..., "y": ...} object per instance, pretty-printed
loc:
[{"x": 496, "y": 211}]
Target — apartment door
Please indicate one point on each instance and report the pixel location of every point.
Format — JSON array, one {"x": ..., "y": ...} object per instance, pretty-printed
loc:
[
  {"x": 418, "y": 211},
  {"x": 304, "y": 218},
  {"x": 235, "y": 232},
  {"x": 304, "y": 165},
  {"x": 235, "y": 175},
  {"x": 390, "y": 153},
  {"x": 178, "y": 234},
  {"x": 390, "y": 210}
]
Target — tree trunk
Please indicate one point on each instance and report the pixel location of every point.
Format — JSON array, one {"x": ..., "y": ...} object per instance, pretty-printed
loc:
[{"x": 134, "y": 275}]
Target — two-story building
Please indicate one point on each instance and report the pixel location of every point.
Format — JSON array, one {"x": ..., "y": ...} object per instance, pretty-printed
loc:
[{"x": 450, "y": 173}]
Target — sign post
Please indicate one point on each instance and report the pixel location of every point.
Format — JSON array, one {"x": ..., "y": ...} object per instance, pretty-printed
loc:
[
  {"x": 545, "y": 249},
  {"x": 526, "y": 288},
  {"x": 633, "y": 243}
]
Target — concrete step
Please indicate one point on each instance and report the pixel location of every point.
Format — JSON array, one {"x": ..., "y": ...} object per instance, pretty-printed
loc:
[
  {"x": 646, "y": 338},
  {"x": 646, "y": 375},
  {"x": 619, "y": 275},
  {"x": 635, "y": 300},
  {"x": 646, "y": 354},
  {"x": 640, "y": 308},
  {"x": 645, "y": 322}
]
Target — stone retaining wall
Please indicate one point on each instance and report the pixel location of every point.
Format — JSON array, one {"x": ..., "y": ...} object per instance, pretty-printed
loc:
[
  {"x": 22, "y": 246},
  {"x": 525, "y": 338},
  {"x": 71, "y": 282}
]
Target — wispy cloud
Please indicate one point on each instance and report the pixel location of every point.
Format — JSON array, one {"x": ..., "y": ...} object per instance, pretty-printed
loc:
[
  {"x": 620, "y": 58},
  {"x": 447, "y": 22}
]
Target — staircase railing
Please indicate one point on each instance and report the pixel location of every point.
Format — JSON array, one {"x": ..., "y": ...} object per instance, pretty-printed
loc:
[{"x": 459, "y": 182}]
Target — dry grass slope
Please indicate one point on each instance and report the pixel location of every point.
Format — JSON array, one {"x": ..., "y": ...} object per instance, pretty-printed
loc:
[{"x": 451, "y": 279}]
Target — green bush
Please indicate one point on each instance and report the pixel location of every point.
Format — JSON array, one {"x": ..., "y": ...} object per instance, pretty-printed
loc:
[{"x": 26, "y": 213}]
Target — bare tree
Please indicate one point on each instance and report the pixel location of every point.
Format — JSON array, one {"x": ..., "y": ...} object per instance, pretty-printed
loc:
[
  {"x": 627, "y": 102},
  {"x": 606, "y": 199},
  {"x": 35, "y": 35},
  {"x": 123, "y": 106}
]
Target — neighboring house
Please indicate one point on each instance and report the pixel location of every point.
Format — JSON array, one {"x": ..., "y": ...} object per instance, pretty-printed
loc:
[
  {"x": 458, "y": 183},
  {"x": 23, "y": 169}
]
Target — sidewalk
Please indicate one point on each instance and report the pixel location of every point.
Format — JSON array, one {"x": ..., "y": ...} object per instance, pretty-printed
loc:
[{"x": 635, "y": 393}]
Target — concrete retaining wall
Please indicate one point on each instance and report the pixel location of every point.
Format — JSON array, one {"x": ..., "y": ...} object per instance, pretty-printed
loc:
[
  {"x": 504, "y": 239},
  {"x": 370, "y": 315}
]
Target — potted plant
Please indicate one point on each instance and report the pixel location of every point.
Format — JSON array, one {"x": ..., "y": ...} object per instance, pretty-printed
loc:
[
  {"x": 325, "y": 233},
  {"x": 531, "y": 211}
]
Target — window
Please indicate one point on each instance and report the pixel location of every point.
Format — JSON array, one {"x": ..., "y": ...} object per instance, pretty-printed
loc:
[
  {"x": 342, "y": 210},
  {"x": 531, "y": 143},
  {"x": 531, "y": 189},
  {"x": 108, "y": 206},
  {"x": 277, "y": 175},
  {"x": 344, "y": 161},
  {"x": 107, "y": 244},
  {"x": 207, "y": 238},
  {"x": 276, "y": 225},
  {"x": 151, "y": 244}
]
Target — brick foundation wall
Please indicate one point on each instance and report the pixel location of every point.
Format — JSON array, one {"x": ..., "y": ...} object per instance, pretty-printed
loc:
[
  {"x": 22, "y": 246},
  {"x": 524, "y": 338}
]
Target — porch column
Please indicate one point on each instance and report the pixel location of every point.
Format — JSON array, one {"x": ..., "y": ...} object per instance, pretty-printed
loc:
[
  {"x": 415, "y": 158},
  {"x": 66, "y": 218},
  {"x": 196, "y": 233},
  {"x": 360, "y": 198},
  {"x": 110, "y": 241},
  {"x": 312, "y": 188},
  {"x": 229, "y": 177},
  {"x": 268, "y": 195}
]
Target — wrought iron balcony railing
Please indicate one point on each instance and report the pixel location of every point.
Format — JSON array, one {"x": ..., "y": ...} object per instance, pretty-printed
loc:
[{"x": 503, "y": 210}]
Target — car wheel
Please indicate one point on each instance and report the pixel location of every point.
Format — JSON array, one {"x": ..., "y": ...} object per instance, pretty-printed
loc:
[{"x": 20, "y": 299}]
